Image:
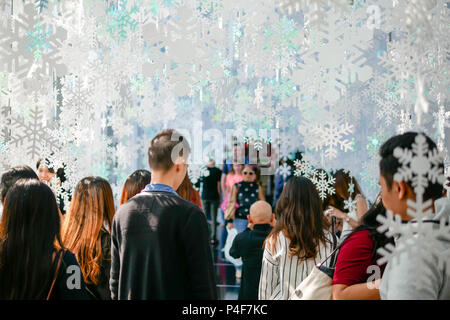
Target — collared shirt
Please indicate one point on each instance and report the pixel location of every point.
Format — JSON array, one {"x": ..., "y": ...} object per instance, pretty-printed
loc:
[
  {"x": 155, "y": 187},
  {"x": 282, "y": 273}
]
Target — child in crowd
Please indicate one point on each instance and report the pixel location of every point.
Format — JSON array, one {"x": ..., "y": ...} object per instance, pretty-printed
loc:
[{"x": 249, "y": 246}]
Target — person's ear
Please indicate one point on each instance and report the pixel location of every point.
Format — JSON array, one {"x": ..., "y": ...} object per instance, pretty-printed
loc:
[
  {"x": 179, "y": 164},
  {"x": 249, "y": 218},
  {"x": 401, "y": 189},
  {"x": 272, "y": 218}
]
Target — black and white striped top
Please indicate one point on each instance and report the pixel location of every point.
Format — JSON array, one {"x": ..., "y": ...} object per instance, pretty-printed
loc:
[{"x": 282, "y": 273}]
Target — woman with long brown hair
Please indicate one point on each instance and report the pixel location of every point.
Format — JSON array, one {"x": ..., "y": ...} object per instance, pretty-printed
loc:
[
  {"x": 33, "y": 262},
  {"x": 298, "y": 241},
  {"x": 347, "y": 204},
  {"x": 134, "y": 184},
  {"x": 87, "y": 233}
]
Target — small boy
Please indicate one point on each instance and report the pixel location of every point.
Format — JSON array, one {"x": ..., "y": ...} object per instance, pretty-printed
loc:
[{"x": 249, "y": 245}]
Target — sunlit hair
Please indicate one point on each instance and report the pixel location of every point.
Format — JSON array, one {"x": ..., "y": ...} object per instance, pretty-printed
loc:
[
  {"x": 299, "y": 215},
  {"x": 135, "y": 183},
  {"x": 187, "y": 192},
  {"x": 91, "y": 208},
  {"x": 29, "y": 236}
]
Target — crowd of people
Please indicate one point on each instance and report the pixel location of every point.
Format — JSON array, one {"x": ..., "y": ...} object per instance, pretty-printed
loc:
[{"x": 159, "y": 242}]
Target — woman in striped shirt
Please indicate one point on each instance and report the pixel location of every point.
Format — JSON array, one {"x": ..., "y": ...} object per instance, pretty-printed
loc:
[{"x": 297, "y": 243}]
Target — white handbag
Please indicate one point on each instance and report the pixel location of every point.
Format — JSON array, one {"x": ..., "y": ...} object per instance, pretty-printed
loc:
[
  {"x": 232, "y": 233},
  {"x": 318, "y": 284}
]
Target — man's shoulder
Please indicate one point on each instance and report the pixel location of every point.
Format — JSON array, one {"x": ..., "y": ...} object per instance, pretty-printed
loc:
[{"x": 155, "y": 200}]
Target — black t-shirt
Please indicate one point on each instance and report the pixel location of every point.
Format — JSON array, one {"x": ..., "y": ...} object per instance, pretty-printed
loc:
[{"x": 210, "y": 191}]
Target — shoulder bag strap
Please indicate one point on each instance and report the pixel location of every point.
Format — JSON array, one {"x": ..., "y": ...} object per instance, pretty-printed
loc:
[
  {"x": 61, "y": 254},
  {"x": 332, "y": 255}
]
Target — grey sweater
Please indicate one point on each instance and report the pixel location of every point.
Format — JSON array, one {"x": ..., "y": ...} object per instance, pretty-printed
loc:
[{"x": 419, "y": 276}]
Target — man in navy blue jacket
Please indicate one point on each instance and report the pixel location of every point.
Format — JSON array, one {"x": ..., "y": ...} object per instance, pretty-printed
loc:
[{"x": 160, "y": 242}]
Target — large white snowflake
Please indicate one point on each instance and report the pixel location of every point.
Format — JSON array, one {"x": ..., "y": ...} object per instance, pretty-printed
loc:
[
  {"x": 195, "y": 172},
  {"x": 284, "y": 170},
  {"x": 324, "y": 183},
  {"x": 32, "y": 133},
  {"x": 387, "y": 109},
  {"x": 327, "y": 136},
  {"x": 420, "y": 166},
  {"x": 303, "y": 168}
]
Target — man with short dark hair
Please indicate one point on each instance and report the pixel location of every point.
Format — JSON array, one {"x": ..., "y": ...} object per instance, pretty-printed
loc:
[
  {"x": 160, "y": 242},
  {"x": 416, "y": 274}
]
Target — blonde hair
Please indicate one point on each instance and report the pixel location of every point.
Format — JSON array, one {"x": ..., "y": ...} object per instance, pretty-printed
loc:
[{"x": 92, "y": 206}]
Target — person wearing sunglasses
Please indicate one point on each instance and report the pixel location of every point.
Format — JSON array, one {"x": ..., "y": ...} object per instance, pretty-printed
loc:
[{"x": 244, "y": 193}]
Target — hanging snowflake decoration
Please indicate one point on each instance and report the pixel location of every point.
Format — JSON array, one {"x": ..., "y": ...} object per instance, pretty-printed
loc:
[
  {"x": 442, "y": 120},
  {"x": 284, "y": 170},
  {"x": 350, "y": 204},
  {"x": 39, "y": 41},
  {"x": 420, "y": 166},
  {"x": 32, "y": 133},
  {"x": 303, "y": 168},
  {"x": 328, "y": 136},
  {"x": 121, "y": 20},
  {"x": 195, "y": 172},
  {"x": 3, "y": 147},
  {"x": 447, "y": 183},
  {"x": 351, "y": 187},
  {"x": 324, "y": 183},
  {"x": 413, "y": 239}
]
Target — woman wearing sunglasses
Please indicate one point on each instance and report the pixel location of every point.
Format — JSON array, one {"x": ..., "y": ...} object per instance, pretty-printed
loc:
[{"x": 245, "y": 193}]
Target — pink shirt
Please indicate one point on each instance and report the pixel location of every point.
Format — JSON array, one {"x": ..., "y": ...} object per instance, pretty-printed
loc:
[{"x": 230, "y": 181}]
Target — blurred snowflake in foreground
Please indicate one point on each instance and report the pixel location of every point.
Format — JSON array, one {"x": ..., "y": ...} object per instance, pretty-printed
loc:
[{"x": 420, "y": 236}]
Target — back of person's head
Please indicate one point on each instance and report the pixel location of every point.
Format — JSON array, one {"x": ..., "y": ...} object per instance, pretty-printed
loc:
[
  {"x": 390, "y": 164},
  {"x": 261, "y": 212},
  {"x": 343, "y": 181},
  {"x": 10, "y": 176},
  {"x": 299, "y": 215},
  {"x": 166, "y": 148},
  {"x": 91, "y": 209},
  {"x": 134, "y": 184},
  {"x": 29, "y": 235}
]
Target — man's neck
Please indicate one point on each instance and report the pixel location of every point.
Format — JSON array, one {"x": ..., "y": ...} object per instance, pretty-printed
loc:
[{"x": 162, "y": 179}]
